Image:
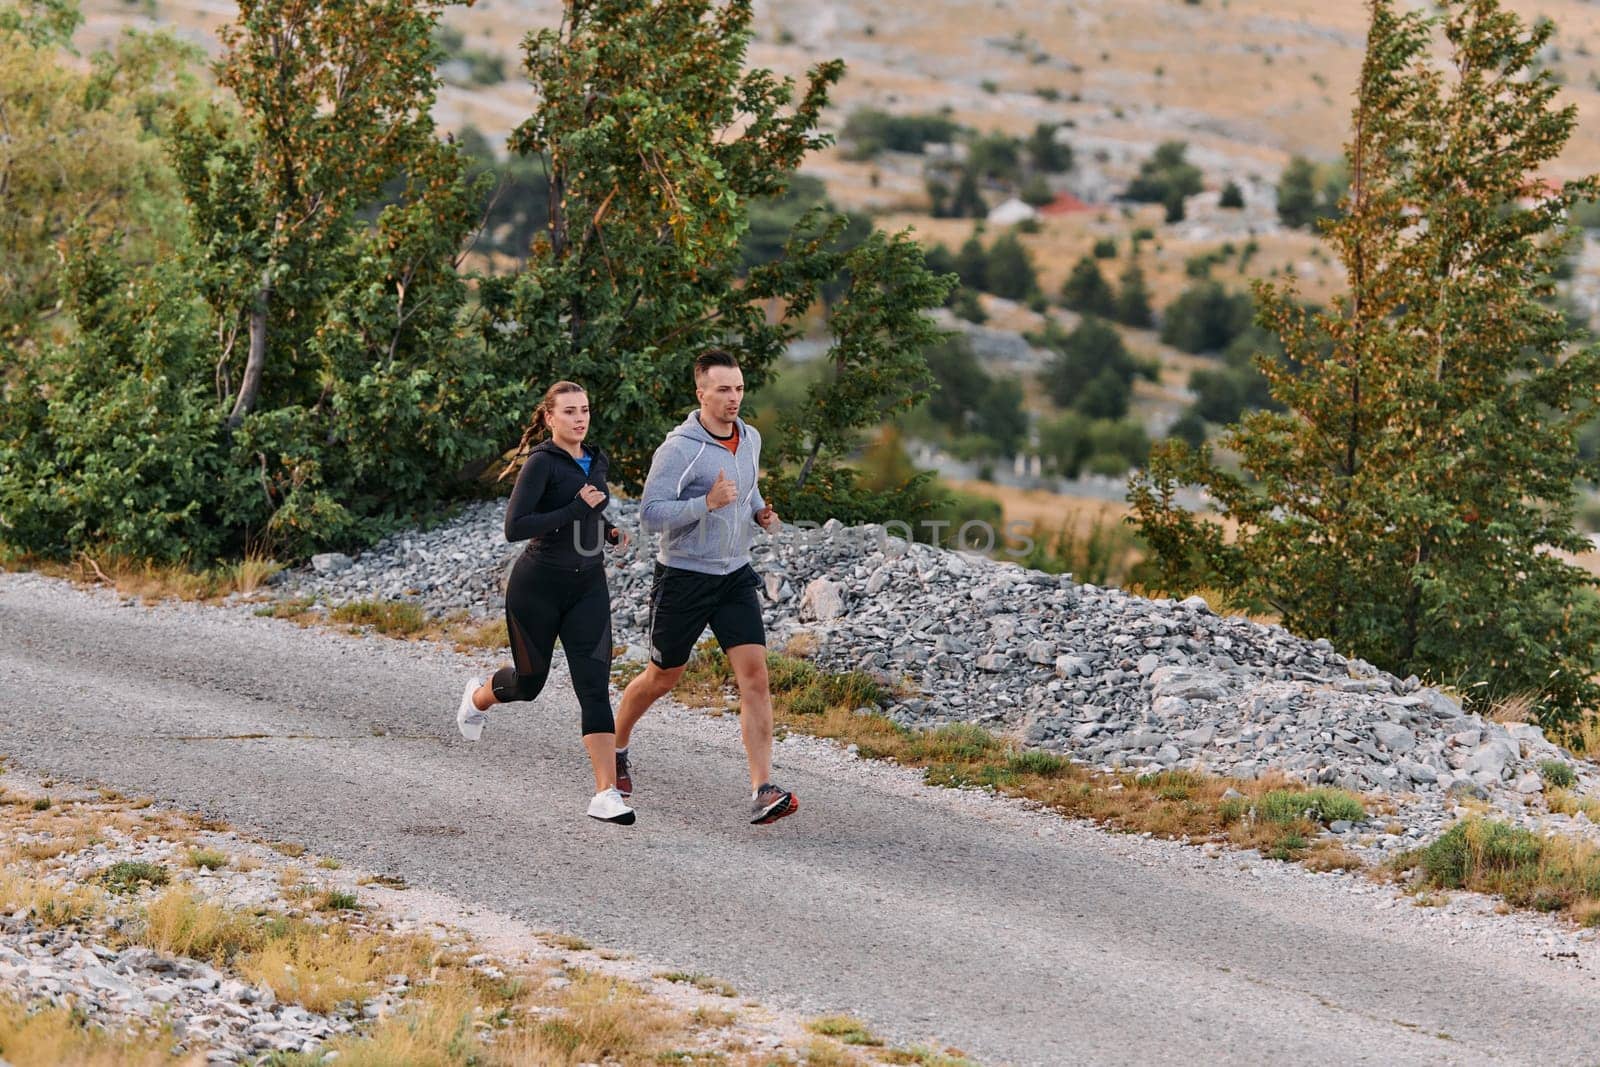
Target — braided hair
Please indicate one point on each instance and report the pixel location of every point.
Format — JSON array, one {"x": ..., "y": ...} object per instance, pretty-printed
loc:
[{"x": 540, "y": 424}]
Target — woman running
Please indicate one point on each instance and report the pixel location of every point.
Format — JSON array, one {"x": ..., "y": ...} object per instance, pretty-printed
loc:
[{"x": 558, "y": 586}]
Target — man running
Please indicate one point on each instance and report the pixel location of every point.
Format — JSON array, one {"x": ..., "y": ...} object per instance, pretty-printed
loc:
[{"x": 701, "y": 496}]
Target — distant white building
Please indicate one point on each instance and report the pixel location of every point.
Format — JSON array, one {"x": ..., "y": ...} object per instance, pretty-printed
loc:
[{"x": 1012, "y": 212}]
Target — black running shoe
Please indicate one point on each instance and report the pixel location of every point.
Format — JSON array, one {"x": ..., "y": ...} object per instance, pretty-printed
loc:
[
  {"x": 771, "y": 804},
  {"x": 624, "y": 779}
]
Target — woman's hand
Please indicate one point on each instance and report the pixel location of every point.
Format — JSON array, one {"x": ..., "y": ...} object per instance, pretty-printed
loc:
[
  {"x": 622, "y": 540},
  {"x": 592, "y": 496}
]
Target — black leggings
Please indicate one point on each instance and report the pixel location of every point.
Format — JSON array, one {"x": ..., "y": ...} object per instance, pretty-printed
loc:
[{"x": 543, "y": 603}]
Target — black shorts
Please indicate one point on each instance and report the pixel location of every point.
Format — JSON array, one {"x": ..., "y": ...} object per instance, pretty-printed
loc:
[{"x": 683, "y": 603}]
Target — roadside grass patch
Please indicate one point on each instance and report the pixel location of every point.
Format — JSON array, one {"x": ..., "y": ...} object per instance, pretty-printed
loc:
[
  {"x": 596, "y": 1019},
  {"x": 385, "y": 881},
  {"x": 703, "y": 982},
  {"x": 800, "y": 690},
  {"x": 926, "y": 1057},
  {"x": 468, "y": 633},
  {"x": 1322, "y": 805},
  {"x": 827, "y": 1053},
  {"x": 149, "y": 580},
  {"x": 396, "y": 618},
  {"x": 129, "y": 876},
  {"x": 299, "y": 610},
  {"x": 207, "y": 859},
  {"x": 1529, "y": 870},
  {"x": 844, "y": 1028}
]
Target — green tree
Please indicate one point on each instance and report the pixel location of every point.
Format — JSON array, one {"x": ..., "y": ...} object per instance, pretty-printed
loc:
[
  {"x": 967, "y": 202},
  {"x": 1086, "y": 290},
  {"x": 1133, "y": 299},
  {"x": 1297, "y": 194},
  {"x": 1093, "y": 347},
  {"x": 1166, "y": 176},
  {"x": 972, "y": 264},
  {"x": 995, "y": 156},
  {"x": 998, "y": 414},
  {"x": 657, "y": 139},
  {"x": 1010, "y": 272},
  {"x": 80, "y": 152},
  {"x": 1046, "y": 153},
  {"x": 1406, "y": 502},
  {"x": 1205, "y": 317},
  {"x": 296, "y": 368},
  {"x": 1106, "y": 396},
  {"x": 1232, "y": 198}
]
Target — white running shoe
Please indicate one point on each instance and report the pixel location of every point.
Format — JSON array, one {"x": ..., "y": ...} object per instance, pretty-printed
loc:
[
  {"x": 609, "y": 806},
  {"x": 469, "y": 720}
]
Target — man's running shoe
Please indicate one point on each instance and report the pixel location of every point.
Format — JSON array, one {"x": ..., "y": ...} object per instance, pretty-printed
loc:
[
  {"x": 624, "y": 779},
  {"x": 771, "y": 804},
  {"x": 608, "y": 806},
  {"x": 469, "y": 720}
]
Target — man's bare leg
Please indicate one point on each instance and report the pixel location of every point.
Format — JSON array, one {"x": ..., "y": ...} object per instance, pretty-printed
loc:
[
  {"x": 643, "y": 691},
  {"x": 749, "y": 664}
]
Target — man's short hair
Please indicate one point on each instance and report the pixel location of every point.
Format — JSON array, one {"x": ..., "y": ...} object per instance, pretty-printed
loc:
[{"x": 713, "y": 357}]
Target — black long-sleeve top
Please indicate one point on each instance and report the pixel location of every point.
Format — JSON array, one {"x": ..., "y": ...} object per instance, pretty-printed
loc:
[{"x": 546, "y": 511}]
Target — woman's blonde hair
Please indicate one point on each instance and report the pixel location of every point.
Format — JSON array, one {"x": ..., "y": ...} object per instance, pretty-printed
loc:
[{"x": 541, "y": 422}]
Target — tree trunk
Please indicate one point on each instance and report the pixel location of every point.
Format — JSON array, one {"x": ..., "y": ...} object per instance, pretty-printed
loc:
[
  {"x": 257, "y": 361},
  {"x": 805, "y": 468}
]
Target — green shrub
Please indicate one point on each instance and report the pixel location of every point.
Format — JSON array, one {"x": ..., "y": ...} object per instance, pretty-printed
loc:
[
  {"x": 1319, "y": 805},
  {"x": 128, "y": 875},
  {"x": 1557, "y": 773}
]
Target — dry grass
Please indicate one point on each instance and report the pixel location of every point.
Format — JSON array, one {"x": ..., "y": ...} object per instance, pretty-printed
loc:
[
  {"x": 180, "y": 923},
  {"x": 48, "y": 903},
  {"x": 395, "y": 618},
  {"x": 319, "y": 967},
  {"x": 1520, "y": 707},
  {"x": 1581, "y": 737},
  {"x": 45, "y": 1036},
  {"x": 150, "y": 580},
  {"x": 1566, "y": 802},
  {"x": 596, "y": 1019}
]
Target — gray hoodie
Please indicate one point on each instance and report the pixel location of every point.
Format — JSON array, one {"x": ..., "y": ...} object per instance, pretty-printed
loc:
[{"x": 682, "y": 472}]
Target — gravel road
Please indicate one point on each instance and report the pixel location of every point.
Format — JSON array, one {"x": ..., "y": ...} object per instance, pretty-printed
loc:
[{"x": 1017, "y": 936}]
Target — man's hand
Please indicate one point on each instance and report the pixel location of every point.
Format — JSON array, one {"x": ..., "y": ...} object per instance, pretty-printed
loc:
[
  {"x": 622, "y": 540},
  {"x": 592, "y": 496},
  {"x": 768, "y": 519},
  {"x": 722, "y": 492}
]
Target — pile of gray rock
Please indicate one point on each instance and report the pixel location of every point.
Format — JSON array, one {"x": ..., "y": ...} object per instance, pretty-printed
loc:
[{"x": 1106, "y": 677}]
